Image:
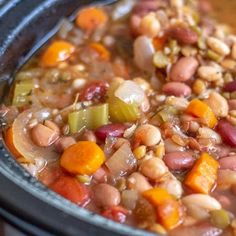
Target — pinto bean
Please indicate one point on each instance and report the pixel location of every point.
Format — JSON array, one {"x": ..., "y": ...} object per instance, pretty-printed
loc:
[
  {"x": 63, "y": 143},
  {"x": 227, "y": 132},
  {"x": 106, "y": 195},
  {"x": 138, "y": 182},
  {"x": 89, "y": 135},
  {"x": 43, "y": 136},
  {"x": 177, "y": 89},
  {"x": 183, "y": 34},
  {"x": 153, "y": 168},
  {"x": 184, "y": 69},
  {"x": 228, "y": 163},
  {"x": 179, "y": 160},
  {"x": 233, "y": 189}
]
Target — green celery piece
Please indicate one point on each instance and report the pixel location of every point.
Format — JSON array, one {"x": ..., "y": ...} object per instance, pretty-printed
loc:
[
  {"x": 76, "y": 121},
  {"x": 22, "y": 91},
  {"x": 91, "y": 118},
  {"x": 97, "y": 116},
  {"x": 123, "y": 112}
]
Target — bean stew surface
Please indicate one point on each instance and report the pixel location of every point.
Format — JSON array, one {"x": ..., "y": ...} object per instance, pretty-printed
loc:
[{"x": 136, "y": 102}]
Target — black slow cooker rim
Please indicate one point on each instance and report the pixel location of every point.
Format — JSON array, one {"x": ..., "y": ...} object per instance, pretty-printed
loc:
[{"x": 24, "y": 201}]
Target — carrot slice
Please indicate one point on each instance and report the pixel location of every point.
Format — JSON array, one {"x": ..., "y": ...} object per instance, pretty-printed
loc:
[
  {"x": 91, "y": 18},
  {"x": 57, "y": 52},
  {"x": 169, "y": 212},
  {"x": 103, "y": 53},
  {"x": 202, "y": 110},
  {"x": 10, "y": 144},
  {"x": 203, "y": 175},
  {"x": 84, "y": 157}
]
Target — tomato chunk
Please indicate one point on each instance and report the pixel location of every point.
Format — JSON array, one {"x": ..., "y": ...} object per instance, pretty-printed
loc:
[{"x": 71, "y": 189}]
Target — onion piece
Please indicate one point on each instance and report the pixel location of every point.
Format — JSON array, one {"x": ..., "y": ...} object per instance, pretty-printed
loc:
[
  {"x": 143, "y": 53},
  {"x": 129, "y": 199},
  {"x": 130, "y": 92},
  {"x": 122, "y": 161},
  {"x": 122, "y": 9},
  {"x": 22, "y": 140}
]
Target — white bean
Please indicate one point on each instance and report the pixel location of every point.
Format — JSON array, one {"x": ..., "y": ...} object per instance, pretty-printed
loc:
[
  {"x": 172, "y": 185},
  {"x": 210, "y": 73},
  {"x": 202, "y": 201},
  {"x": 218, "y": 104},
  {"x": 207, "y": 133},
  {"x": 153, "y": 168},
  {"x": 218, "y": 46},
  {"x": 138, "y": 182},
  {"x": 148, "y": 135}
]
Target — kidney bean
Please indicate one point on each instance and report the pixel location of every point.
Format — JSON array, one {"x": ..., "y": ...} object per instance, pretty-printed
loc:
[
  {"x": 179, "y": 160},
  {"x": 227, "y": 132},
  {"x": 106, "y": 195},
  {"x": 182, "y": 34},
  {"x": 177, "y": 89},
  {"x": 94, "y": 91},
  {"x": 230, "y": 87},
  {"x": 62, "y": 143},
  {"x": 232, "y": 104},
  {"x": 144, "y": 7},
  {"x": 184, "y": 69},
  {"x": 114, "y": 130},
  {"x": 228, "y": 163}
]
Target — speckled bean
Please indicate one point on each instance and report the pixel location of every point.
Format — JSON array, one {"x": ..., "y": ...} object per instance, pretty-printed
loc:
[
  {"x": 177, "y": 89},
  {"x": 184, "y": 69},
  {"x": 106, "y": 195}
]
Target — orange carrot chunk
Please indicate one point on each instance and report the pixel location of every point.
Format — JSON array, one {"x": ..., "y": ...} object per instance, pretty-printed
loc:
[
  {"x": 202, "y": 110},
  {"x": 83, "y": 158},
  {"x": 169, "y": 212},
  {"x": 103, "y": 53},
  {"x": 10, "y": 144},
  {"x": 91, "y": 18},
  {"x": 57, "y": 52},
  {"x": 203, "y": 175}
]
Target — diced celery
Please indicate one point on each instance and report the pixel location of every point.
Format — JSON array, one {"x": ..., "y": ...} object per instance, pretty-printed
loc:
[
  {"x": 97, "y": 116},
  {"x": 76, "y": 121},
  {"x": 123, "y": 112},
  {"x": 91, "y": 118},
  {"x": 21, "y": 92}
]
